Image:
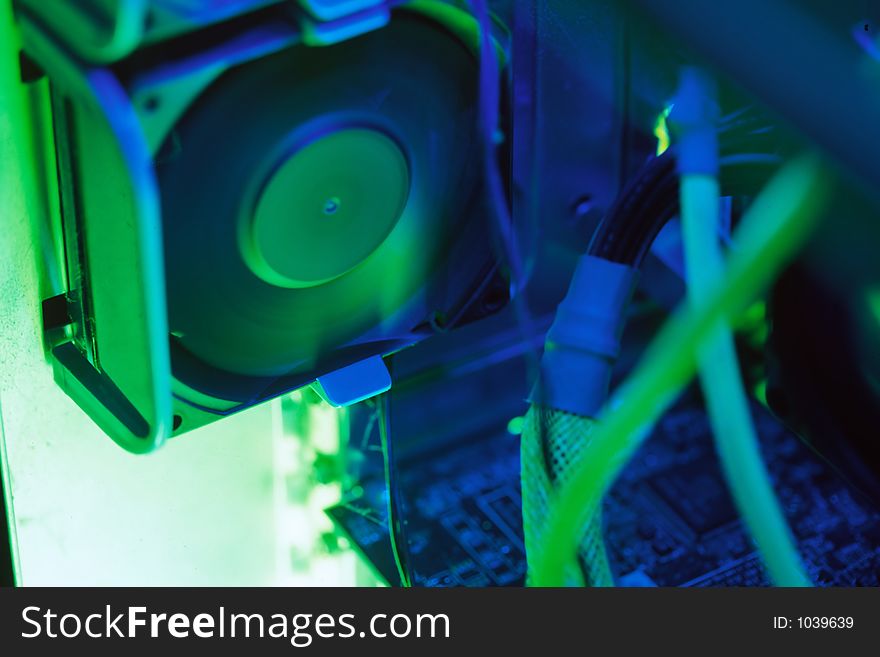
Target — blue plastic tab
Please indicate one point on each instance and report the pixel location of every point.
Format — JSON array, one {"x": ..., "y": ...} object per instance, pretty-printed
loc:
[
  {"x": 331, "y": 10},
  {"x": 354, "y": 383},
  {"x": 326, "y": 33}
]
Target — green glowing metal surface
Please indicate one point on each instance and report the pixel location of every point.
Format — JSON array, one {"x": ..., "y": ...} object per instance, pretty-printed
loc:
[
  {"x": 199, "y": 512},
  {"x": 213, "y": 507}
]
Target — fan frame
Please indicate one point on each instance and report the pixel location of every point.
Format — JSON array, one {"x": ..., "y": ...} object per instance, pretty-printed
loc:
[{"x": 110, "y": 346}]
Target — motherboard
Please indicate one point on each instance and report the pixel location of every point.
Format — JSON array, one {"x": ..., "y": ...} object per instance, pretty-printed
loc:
[{"x": 669, "y": 519}]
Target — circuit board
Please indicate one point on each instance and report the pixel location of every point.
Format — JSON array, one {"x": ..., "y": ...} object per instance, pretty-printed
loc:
[{"x": 669, "y": 519}]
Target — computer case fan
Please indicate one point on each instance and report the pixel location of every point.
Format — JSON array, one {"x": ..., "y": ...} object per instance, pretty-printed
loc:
[{"x": 245, "y": 213}]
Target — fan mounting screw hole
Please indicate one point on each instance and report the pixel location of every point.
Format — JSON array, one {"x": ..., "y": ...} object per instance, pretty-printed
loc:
[{"x": 582, "y": 206}]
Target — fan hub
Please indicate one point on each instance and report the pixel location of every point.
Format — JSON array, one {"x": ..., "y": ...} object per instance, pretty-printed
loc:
[{"x": 325, "y": 207}]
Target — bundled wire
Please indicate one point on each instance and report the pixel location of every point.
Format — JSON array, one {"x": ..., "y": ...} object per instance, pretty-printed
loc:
[
  {"x": 561, "y": 425},
  {"x": 650, "y": 199},
  {"x": 553, "y": 439},
  {"x": 774, "y": 228}
]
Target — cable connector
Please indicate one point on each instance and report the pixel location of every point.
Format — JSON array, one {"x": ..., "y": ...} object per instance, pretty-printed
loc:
[{"x": 584, "y": 340}]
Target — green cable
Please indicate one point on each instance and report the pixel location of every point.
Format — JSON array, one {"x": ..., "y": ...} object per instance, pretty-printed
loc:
[
  {"x": 729, "y": 413},
  {"x": 778, "y": 222},
  {"x": 392, "y": 496}
]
